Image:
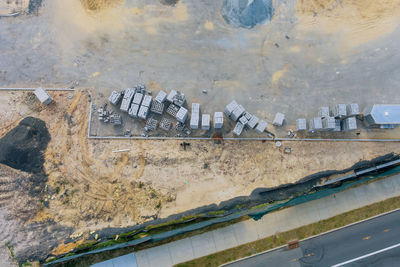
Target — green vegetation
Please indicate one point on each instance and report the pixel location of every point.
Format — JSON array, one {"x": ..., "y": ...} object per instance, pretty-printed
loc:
[
  {"x": 280, "y": 239},
  {"x": 10, "y": 248}
]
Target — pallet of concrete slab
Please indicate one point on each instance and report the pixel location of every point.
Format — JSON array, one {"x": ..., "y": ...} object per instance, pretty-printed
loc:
[{"x": 243, "y": 119}]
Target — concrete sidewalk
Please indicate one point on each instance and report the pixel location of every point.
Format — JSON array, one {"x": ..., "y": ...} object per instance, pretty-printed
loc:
[{"x": 280, "y": 221}]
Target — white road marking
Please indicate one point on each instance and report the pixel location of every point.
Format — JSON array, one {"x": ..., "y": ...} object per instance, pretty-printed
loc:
[{"x": 367, "y": 255}]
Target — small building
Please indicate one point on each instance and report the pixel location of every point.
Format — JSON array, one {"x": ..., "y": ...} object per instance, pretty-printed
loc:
[
  {"x": 382, "y": 115},
  {"x": 279, "y": 119},
  {"x": 301, "y": 124},
  {"x": 205, "y": 122},
  {"x": 44, "y": 97}
]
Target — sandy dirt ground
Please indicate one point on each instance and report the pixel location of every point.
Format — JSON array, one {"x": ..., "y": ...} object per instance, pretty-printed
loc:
[{"x": 91, "y": 187}]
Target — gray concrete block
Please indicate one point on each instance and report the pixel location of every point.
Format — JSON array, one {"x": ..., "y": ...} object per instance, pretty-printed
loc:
[
  {"x": 353, "y": 109},
  {"x": 301, "y": 124},
  {"x": 133, "y": 111},
  {"x": 243, "y": 120},
  {"x": 315, "y": 124},
  {"x": 230, "y": 108},
  {"x": 262, "y": 125},
  {"x": 171, "y": 96},
  {"x": 147, "y": 100},
  {"x": 237, "y": 112},
  {"x": 247, "y": 115},
  {"x": 151, "y": 124},
  {"x": 350, "y": 124},
  {"x": 252, "y": 122},
  {"x": 194, "y": 121},
  {"x": 338, "y": 126},
  {"x": 340, "y": 111},
  {"x": 138, "y": 99},
  {"x": 238, "y": 129},
  {"x": 279, "y": 119},
  {"x": 115, "y": 97},
  {"x": 323, "y": 112},
  {"x": 143, "y": 112},
  {"x": 179, "y": 99},
  {"x": 182, "y": 115},
  {"x": 127, "y": 100},
  {"x": 161, "y": 97},
  {"x": 166, "y": 124},
  {"x": 172, "y": 110},
  {"x": 328, "y": 123},
  {"x": 195, "y": 108},
  {"x": 205, "y": 122},
  {"x": 157, "y": 107},
  {"x": 218, "y": 120}
]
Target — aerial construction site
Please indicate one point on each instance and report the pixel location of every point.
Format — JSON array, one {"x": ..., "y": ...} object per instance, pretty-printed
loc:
[{"x": 121, "y": 115}]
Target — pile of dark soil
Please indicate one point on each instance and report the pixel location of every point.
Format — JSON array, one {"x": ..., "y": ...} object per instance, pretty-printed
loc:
[
  {"x": 247, "y": 13},
  {"x": 22, "y": 148},
  {"x": 34, "y": 6},
  {"x": 169, "y": 2}
]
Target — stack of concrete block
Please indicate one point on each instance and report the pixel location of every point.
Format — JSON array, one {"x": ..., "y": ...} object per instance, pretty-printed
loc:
[
  {"x": 301, "y": 124},
  {"x": 243, "y": 120},
  {"x": 179, "y": 99},
  {"x": 218, "y": 120},
  {"x": 147, "y": 99},
  {"x": 338, "y": 126},
  {"x": 143, "y": 112},
  {"x": 279, "y": 119},
  {"x": 161, "y": 97},
  {"x": 44, "y": 97},
  {"x": 171, "y": 96},
  {"x": 230, "y": 108},
  {"x": 315, "y": 124},
  {"x": 262, "y": 125},
  {"x": 237, "y": 112},
  {"x": 151, "y": 124},
  {"x": 252, "y": 122},
  {"x": 182, "y": 115},
  {"x": 238, "y": 129},
  {"x": 353, "y": 109},
  {"x": 328, "y": 123},
  {"x": 350, "y": 124},
  {"x": 157, "y": 107},
  {"x": 140, "y": 88},
  {"x": 115, "y": 97},
  {"x": 115, "y": 119},
  {"x": 133, "y": 111},
  {"x": 205, "y": 122},
  {"x": 340, "y": 111},
  {"x": 323, "y": 112},
  {"x": 172, "y": 110},
  {"x": 137, "y": 100},
  {"x": 166, "y": 124},
  {"x": 127, "y": 100},
  {"x": 194, "y": 119}
]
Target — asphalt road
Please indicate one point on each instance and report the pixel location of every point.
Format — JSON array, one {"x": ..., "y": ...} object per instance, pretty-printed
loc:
[{"x": 371, "y": 243}]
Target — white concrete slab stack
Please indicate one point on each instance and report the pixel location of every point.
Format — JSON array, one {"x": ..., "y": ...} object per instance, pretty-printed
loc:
[
  {"x": 230, "y": 108},
  {"x": 195, "y": 117},
  {"x": 243, "y": 120},
  {"x": 137, "y": 99},
  {"x": 237, "y": 112},
  {"x": 43, "y": 96},
  {"x": 350, "y": 124},
  {"x": 143, "y": 112},
  {"x": 315, "y": 124},
  {"x": 279, "y": 118},
  {"x": 115, "y": 97},
  {"x": 133, "y": 111},
  {"x": 171, "y": 96},
  {"x": 328, "y": 123},
  {"x": 340, "y": 111},
  {"x": 323, "y": 112},
  {"x": 161, "y": 97},
  {"x": 218, "y": 120},
  {"x": 147, "y": 100},
  {"x": 182, "y": 115},
  {"x": 205, "y": 122},
  {"x": 353, "y": 109},
  {"x": 127, "y": 100},
  {"x": 301, "y": 124},
  {"x": 252, "y": 122},
  {"x": 262, "y": 125},
  {"x": 238, "y": 129}
]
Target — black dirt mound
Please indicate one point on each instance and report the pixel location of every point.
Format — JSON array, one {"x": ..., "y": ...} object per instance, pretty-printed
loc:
[
  {"x": 22, "y": 148},
  {"x": 247, "y": 13},
  {"x": 169, "y": 2}
]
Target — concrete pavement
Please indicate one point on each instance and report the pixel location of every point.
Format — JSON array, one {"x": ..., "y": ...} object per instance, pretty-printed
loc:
[
  {"x": 373, "y": 242},
  {"x": 280, "y": 221}
]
